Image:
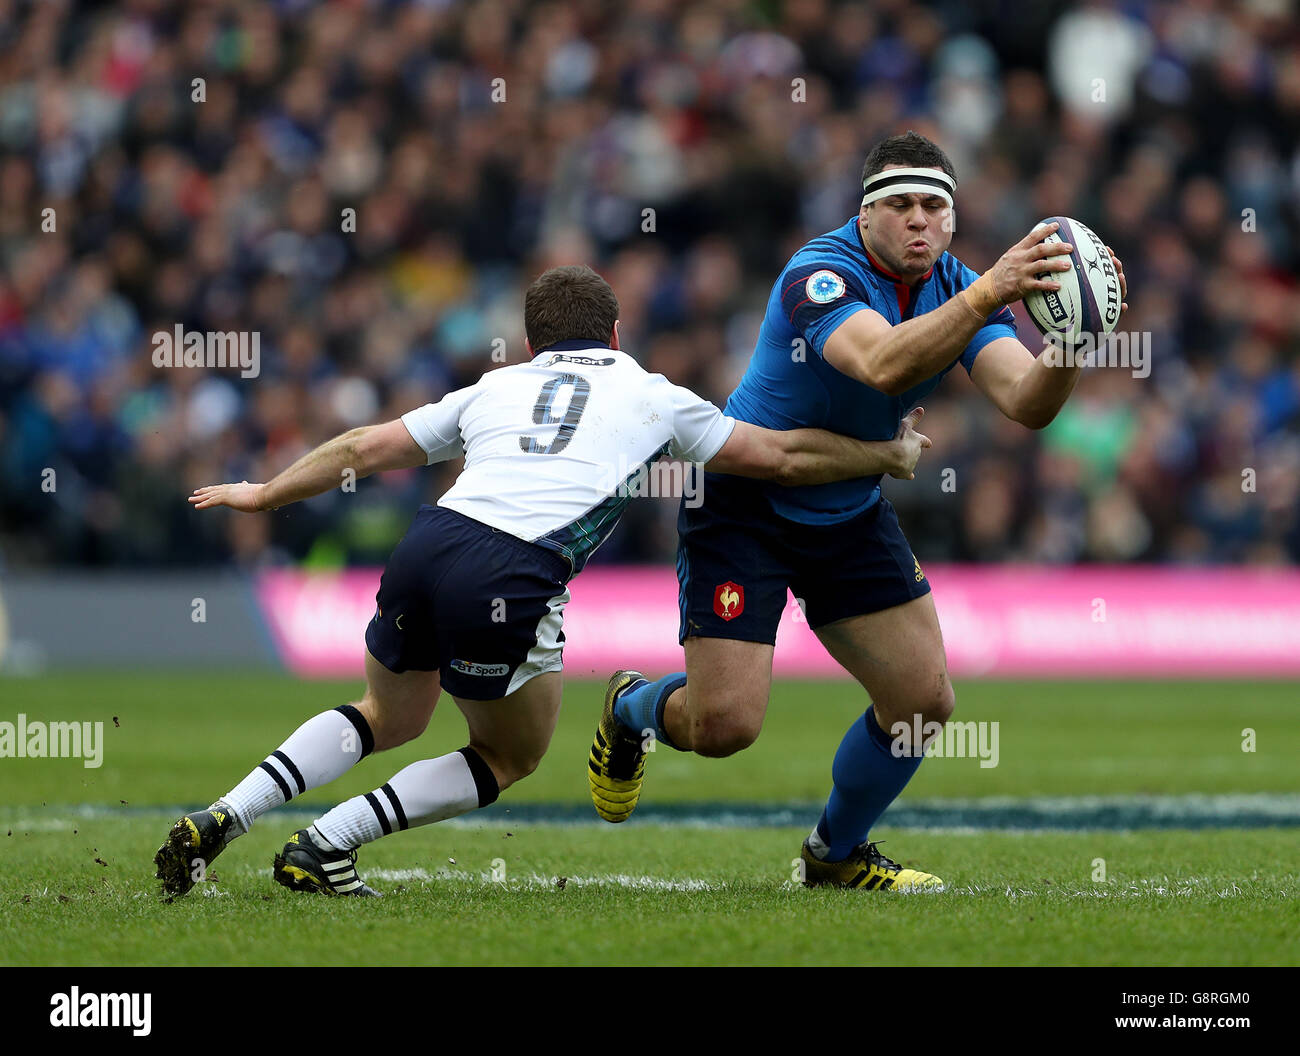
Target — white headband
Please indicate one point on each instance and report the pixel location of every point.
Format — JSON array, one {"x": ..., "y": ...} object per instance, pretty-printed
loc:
[{"x": 907, "y": 181}]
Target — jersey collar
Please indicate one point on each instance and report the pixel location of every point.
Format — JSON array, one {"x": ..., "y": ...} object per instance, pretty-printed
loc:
[{"x": 570, "y": 346}]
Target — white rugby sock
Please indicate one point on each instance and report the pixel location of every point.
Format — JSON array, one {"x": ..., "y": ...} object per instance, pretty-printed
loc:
[
  {"x": 817, "y": 845},
  {"x": 428, "y": 791},
  {"x": 321, "y": 749}
]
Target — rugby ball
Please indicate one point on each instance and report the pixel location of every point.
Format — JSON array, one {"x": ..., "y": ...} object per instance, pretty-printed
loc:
[{"x": 1089, "y": 299}]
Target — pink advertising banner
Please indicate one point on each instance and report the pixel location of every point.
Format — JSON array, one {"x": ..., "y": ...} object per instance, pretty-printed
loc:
[{"x": 996, "y": 621}]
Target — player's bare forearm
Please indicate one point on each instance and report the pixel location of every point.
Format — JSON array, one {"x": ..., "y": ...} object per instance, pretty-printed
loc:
[
  {"x": 317, "y": 471},
  {"x": 365, "y": 450},
  {"x": 894, "y": 358},
  {"x": 815, "y": 456},
  {"x": 820, "y": 457},
  {"x": 1042, "y": 392},
  {"x": 314, "y": 473}
]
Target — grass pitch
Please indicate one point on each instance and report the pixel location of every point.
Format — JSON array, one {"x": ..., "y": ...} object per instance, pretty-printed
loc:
[{"x": 76, "y": 844}]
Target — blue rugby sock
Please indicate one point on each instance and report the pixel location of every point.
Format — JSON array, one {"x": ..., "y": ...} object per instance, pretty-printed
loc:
[
  {"x": 641, "y": 708},
  {"x": 868, "y": 777}
]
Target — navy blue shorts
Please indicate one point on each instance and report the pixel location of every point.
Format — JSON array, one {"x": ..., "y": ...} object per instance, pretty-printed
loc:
[
  {"x": 736, "y": 558},
  {"x": 480, "y": 606}
]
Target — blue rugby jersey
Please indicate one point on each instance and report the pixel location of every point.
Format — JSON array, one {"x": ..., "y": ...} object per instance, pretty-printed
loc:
[{"x": 828, "y": 280}]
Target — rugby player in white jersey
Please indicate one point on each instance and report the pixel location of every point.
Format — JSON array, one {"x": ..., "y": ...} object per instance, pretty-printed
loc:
[{"x": 472, "y": 599}]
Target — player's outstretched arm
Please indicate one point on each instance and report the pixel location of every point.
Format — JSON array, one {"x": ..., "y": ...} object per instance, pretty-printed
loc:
[
  {"x": 867, "y": 347},
  {"x": 369, "y": 449},
  {"x": 1028, "y": 389},
  {"x": 815, "y": 456}
]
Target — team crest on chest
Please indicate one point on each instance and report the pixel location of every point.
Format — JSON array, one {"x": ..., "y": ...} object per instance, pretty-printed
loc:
[
  {"x": 824, "y": 286},
  {"x": 729, "y": 600}
]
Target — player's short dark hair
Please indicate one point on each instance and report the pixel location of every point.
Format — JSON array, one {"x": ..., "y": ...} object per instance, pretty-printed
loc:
[
  {"x": 570, "y": 303},
  {"x": 911, "y": 149}
]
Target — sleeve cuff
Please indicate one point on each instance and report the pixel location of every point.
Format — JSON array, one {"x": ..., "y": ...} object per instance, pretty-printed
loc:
[{"x": 712, "y": 441}]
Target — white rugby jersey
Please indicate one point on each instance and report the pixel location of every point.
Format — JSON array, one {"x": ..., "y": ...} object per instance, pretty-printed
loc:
[{"x": 551, "y": 446}]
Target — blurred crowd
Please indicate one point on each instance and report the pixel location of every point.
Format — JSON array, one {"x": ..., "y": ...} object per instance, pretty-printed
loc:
[{"x": 370, "y": 186}]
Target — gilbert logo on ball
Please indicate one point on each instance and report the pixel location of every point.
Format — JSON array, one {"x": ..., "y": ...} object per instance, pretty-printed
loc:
[{"x": 1089, "y": 299}]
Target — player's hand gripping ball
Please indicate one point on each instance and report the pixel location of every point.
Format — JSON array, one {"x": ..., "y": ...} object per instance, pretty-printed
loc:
[{"x": 1091, "y": 294}]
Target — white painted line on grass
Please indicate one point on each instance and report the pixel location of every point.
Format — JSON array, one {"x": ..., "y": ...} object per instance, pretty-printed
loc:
[{"x": 626, "y": 881}]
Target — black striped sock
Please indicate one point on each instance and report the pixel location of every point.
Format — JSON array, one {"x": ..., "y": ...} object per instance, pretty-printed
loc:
[
  {"x": 362, "y": 727},
  {"x": 425, "y": 792},
  {"x": 286, "y": 775},
  {"x": 484, "y": 779},
  {"x": 322, "y": 748}
]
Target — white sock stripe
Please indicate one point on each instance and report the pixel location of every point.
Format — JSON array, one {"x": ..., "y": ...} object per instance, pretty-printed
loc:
[
  {"x": 388, "y": 797},
  {"x": 387, "y": 808},
  {"x": 285, "y": 776}
]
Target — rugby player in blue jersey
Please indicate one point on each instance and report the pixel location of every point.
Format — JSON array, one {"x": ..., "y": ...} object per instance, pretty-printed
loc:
[{"x": 861, "y": 325}]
